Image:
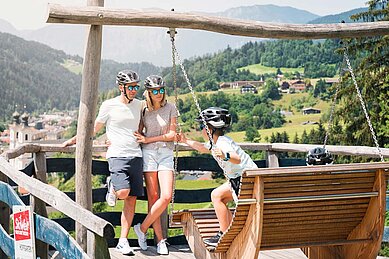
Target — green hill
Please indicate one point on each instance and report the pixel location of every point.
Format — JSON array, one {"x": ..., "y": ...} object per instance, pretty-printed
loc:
[
  {"x": 259, "y": 69},
  {"x": 42, "y": 78}
]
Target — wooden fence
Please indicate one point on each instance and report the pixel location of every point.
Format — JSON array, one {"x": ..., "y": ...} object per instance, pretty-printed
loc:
[{"x": 101, "y": 224}]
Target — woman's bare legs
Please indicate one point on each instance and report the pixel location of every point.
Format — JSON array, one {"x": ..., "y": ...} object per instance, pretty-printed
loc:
[{"x": 155, "y": 181}]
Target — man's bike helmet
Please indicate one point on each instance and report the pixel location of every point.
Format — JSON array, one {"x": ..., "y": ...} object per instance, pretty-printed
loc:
[{"x": 126, "y": 77}]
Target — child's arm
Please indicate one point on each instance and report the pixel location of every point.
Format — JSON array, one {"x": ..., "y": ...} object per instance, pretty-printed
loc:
[
  {"x": 233, "y": 157},
  {"x": 192, "y": 143}
]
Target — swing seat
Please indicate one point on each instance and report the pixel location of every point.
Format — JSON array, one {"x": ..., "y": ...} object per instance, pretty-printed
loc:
[{"x": 333, "y": 211}]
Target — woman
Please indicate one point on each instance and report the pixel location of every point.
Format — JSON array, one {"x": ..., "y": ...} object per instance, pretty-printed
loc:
[{"x": 159, "y": 127}]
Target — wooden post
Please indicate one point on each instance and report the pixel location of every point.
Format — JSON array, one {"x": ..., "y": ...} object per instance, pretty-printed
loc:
[
  {"x": 272, "y": 159},
  {"x": 87, "y": 112},
  {"x": 37, "y": 205},
  {"x": 97, "y": 246},
  {"x": 4, "y": 215}
]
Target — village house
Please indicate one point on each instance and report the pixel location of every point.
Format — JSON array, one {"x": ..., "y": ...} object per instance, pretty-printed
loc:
[
  {"x": 45, "y": 130},
  {"x": 240, "y": 84},
  {"x": 248, "y": 89},
  {"x": 310, "y": 110}
]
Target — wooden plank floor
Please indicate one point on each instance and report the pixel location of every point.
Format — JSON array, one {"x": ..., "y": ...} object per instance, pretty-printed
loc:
[
  {"x": 175, "y": 252},
  {"x": 183, "y": 252}
]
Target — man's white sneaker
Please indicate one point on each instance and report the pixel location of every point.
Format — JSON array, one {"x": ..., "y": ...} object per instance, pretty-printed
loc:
[
  {"x": 110, "y": 197},
  {"x": 141, "y": 237},
  {"x": 124, "y": 248},
  {"x": 162, "y": 248}
]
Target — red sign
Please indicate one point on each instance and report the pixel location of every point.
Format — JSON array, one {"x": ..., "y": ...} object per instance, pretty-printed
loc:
[{"x": 22, "y": 225}]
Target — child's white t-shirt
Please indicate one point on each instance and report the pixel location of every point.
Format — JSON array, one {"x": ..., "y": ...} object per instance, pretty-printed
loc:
[
  {"x": 227, "y": 145},
  {"x": 121, "y": 121}
]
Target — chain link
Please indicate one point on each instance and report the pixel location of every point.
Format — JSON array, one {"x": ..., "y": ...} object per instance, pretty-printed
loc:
[
  {"x": 218, "y": 160},
  {"x": 174, "y": 71},
  {"x": 363, "y": 104}
]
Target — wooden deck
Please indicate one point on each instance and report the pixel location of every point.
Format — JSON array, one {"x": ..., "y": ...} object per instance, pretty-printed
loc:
[
  {"x": 184, "y": 252},
  {"x": 175, "y": 252}
]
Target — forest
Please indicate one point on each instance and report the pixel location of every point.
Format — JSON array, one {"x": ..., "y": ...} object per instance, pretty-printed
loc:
[{"x": 33, "y": 74}]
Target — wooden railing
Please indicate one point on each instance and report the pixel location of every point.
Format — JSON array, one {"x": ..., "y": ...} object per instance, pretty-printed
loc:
[
  {"x": 100, "y": 225},
  {"x": 41, "y": 194},
  {"x": 47, "y": 231}
]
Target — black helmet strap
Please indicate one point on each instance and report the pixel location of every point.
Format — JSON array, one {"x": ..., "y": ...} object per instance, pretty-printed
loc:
[{"x": 125, "y": 94}]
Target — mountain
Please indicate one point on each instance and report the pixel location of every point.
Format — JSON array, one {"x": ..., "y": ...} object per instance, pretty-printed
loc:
[
  {"x": 32, "y": 74},
  {"x": 136, "y": 44},
  {"x": 43, "y": 78},
  {"x": 337, "y": 18},
  {"x": 269, "y": 13}
]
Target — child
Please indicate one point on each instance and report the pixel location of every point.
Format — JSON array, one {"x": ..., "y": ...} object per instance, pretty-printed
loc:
[{"x": 234, "y": 161}]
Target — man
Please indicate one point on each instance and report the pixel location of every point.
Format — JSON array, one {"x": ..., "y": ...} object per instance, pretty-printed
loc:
[{"x": 121, "y": 116}]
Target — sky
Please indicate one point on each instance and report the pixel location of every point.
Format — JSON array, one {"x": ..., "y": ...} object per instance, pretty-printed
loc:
[{"x": 31, "y": 14}]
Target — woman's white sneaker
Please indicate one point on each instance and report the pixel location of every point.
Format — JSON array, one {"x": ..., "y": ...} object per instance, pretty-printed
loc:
[
  {"x": 124, "y": 247},
  {"x": 162, "y": 247}
]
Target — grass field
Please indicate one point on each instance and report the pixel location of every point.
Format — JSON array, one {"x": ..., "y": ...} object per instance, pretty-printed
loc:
[
  {"x": 259, "y": 69},
  {"x": 73, "y": 66}
]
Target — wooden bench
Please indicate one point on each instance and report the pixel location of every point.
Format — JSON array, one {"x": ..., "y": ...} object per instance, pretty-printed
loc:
[{"x": 334, "y": 211}]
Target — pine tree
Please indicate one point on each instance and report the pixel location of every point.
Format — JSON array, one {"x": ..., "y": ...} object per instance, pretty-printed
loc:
[{"x": 372, "y": 74}]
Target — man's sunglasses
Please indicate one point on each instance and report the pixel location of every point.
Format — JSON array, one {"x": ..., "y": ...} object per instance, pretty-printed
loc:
[
  {"x": 155, "y": 91},
  {"x": 130, "y": 87}
]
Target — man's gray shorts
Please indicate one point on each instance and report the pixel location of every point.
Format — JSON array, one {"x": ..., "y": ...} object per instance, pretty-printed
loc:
[{"x": 127, "y": 173}]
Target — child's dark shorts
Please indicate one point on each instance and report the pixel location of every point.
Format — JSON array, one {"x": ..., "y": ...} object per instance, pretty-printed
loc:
[{"x": 235, "y": 184}]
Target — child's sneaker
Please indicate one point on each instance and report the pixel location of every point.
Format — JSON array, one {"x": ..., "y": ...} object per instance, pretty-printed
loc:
[
  {"x": 124, "y": 247},
  {"x": 162, "y": 248},
  {"x": 212, "y": 241},
  {"x": 142, "y": 241},
  {"x": 110, "y": 197}
]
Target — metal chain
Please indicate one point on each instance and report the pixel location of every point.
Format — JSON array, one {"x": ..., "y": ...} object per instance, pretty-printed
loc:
[
  {"x": 172, "y": 33},
  {"x": 329, "y": 127},
  {"x": 218, "y": 160},
  {"x": 363, "y": 104}
]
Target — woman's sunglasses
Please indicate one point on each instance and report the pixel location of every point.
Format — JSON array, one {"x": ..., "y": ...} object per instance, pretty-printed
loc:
[
  {"x": 130, "y": 88},
  {"x": 155, "y": 91},
  {"x": 202, "y": 126}
]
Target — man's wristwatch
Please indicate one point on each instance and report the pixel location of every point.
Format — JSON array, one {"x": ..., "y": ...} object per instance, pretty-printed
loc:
[{"x": 227, "y": 157}]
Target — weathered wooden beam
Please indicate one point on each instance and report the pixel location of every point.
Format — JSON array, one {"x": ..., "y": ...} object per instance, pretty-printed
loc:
[
  {"x": 317, "y": 168},
  {"x": 87, "y": 111},
  {"x": 58, "y": 200},
  {"x": 105, "y": 16},
  {"x": 338, "y": 150},
  {"x": 277, "y": 147}
]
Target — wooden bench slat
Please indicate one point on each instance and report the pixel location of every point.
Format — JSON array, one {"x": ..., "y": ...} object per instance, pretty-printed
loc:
[
  {"x": 317, "y": 169},
  {"x": 326, "y": 195},
  {"x": 345, "y": 188},
  {"x": 321, "y": 176},
  {"x": 323, "y": 183},
  {"x": 292, "y": 213}
]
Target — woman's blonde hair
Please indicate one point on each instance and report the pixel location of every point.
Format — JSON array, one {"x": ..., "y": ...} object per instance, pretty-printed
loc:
[{"x": 149, "y": 101}]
